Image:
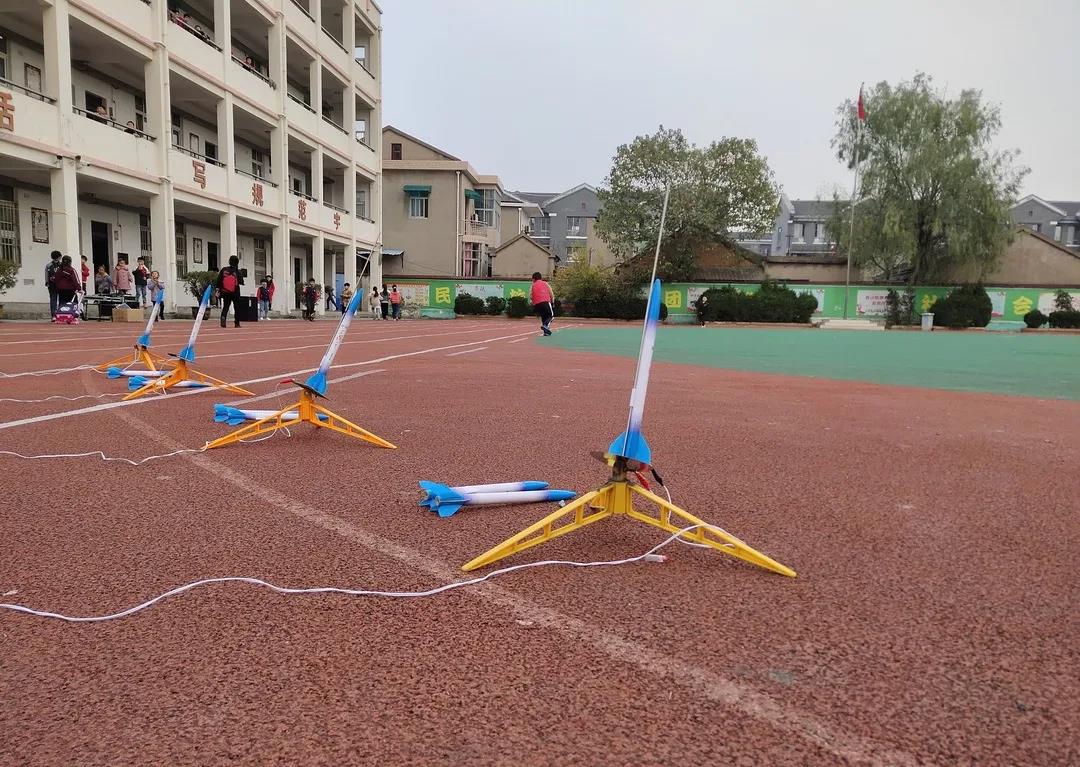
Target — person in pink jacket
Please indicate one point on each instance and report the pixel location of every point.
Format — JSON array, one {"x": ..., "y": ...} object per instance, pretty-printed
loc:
[
  {"x": 543, "y": 302},
  {"x": 122, "y": 279}
]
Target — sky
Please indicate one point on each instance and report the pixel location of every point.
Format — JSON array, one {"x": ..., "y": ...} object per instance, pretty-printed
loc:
[{"x": 542, "y": 92}]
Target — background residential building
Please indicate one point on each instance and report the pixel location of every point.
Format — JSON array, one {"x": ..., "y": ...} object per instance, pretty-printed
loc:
[
  {"x": 145, "y": 135},
  {"x": 1058, "y": 220},
  {"x": 565, "y": 223},
  {"x": 442, "y": 218}
]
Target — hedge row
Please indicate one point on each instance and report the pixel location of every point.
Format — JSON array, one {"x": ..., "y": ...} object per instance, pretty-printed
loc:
[{"x": 771, "y": 303}]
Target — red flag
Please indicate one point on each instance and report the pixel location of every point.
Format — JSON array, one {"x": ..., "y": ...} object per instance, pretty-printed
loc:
[{"x": 862, "y": 107}]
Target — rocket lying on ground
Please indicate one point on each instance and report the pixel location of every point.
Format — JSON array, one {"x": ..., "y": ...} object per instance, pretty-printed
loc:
[
  {"x": 236, "y": 416},
  {"x": 137, "y": 382},
  {"x": 121, "y": 372},
  {"x": 446, "y": 500}
]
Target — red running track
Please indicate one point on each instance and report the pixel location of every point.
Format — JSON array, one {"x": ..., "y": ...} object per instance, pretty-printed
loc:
[{"x": 933, "y": 620}]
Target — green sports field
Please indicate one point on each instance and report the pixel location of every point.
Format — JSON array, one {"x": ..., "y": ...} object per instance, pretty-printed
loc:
[{"x": 1026, "y": 364}]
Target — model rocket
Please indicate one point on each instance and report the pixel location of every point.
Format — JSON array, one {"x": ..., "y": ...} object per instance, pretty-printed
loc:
[
  {"x": 446, "y": 501},
  {"x": 188, "y": 352},
  {"x": 631, "y": 444},
  {"x": 236, "y": 416},
  {"x": 144, "y": 339},
  {"x": 317, "y": 382}
]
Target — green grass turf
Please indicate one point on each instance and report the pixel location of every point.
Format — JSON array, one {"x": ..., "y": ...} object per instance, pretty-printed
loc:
[{"x": 1004, "y": 363}]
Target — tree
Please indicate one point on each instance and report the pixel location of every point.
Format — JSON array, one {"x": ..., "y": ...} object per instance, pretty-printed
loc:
[
  {"x": 933, "y": 192},
  {"x": 716, "y": 189}
]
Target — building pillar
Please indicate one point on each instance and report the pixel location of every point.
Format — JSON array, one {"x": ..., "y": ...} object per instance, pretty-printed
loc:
[
  {"x": 225, "y": 133},
  {"x": 284, "y": 281},
  {"x": 163, "y": 245},
  {"x": 316, "y": 85},
  {"x": 317, "y": 174},
  {"x": 318, "y": 268},
  {"x": 227, "y": 226},
  {"x": 57, "y": 38},
  {"x": 348, "y": 20},
  {"x": 65, "y": 207},
  {"x": 223, "y": 28}
]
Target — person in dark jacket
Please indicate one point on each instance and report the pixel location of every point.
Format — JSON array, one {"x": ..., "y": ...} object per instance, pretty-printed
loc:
[
  {"x": 66, "y": 282},
  {"x": 228, "y": 284},
  {"x": 311, "y": 297},
  {"x": 50, "y": 270}
]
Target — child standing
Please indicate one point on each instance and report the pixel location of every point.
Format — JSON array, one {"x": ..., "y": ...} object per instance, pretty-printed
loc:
[
  {"x": 140, "y": 274},
  {"x": 264, "y": 293},
  {"x": 156, "y": 287},
  {"x": 330, "y": 303},
  {"x": 543, "y": 302},
  {"x": 311, "y": 297},
  {"x": 700, "y": 306},
  {"x": 346, "y": 297},
  {"x": 384, "y": 302},
  {"x": 373, "y": 303},
  {"x": 395, "y": 303}
]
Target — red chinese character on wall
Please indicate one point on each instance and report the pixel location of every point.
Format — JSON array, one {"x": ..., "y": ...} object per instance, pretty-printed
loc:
[
  {"x": 7, "y": 112},
  {"x": 257, "y": 194},
  {"x": 337, "y": 220},
  {"x": 301, "y": 207},
  {"x": 200, "y": 173}
]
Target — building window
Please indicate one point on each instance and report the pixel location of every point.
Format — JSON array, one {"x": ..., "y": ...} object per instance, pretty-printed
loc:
[
  {"x": 140, "y": 113},
  {"x": 257, "y": 163},
  {"x": 177, "y": 130},
  {"x": 181, "y": 251},
  {"x": 1076, "y": 235},
  {"x": 798, "y": 233},
  {"x": 1057, "y": 234},
  {"x": 819, "y": 234},
  {"x": 260, "y": 258},
  {"x": 470, "y": 259},
  {"x": 575, "y": 226},
  {"x": 418, "y": 207},
  {"x": 395, "y": 151},
  {"x": 1036, "y": 227},
  {"x": 361, "y": 203},
  {"x": 144, "y": 236},
  {"x": 10, "y": 249},
  {"x": 488, "y": 210},
  {"x": 540, "y": 226},
  {"x": 193, "y": 143},
  {"x": 3, "y": 57},
  {"x": 577, "y": 254}
]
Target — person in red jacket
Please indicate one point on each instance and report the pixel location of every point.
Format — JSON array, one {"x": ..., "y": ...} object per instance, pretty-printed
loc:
[
  {"x": 66, "y": 281},
  {"x": 543, "y": 302}
]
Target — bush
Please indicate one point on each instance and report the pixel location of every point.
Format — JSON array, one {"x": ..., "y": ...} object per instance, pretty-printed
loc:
[
  {"x": 197, "y": 281},
  {"x": 495, "y": 305},
  {"x": 1035, "y": 319},
  {"x": 900, "y": 308},
  {"x": 517, "y": 307},
  {"x": 772, "y": 303},
  {"x": 8, "y": 270},
  {"x": 558, "y": 308},
  {"x": 467, "y": 304},
  {"x": 1063, "y": 301},
  {"x": 966, "y": 307},
  {"x": 1065, "y": 319}
]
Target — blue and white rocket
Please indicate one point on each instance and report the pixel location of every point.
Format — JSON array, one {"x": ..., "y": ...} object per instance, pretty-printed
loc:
[
  {"x": 235, "y": 416},
  {"x": 631, "y": 444},
  {"x": 188, "y": 352},
  {"x": 144, "y": 339},
  {"x": 317, "y": 381},
  {"x": 446, "y": 500}
]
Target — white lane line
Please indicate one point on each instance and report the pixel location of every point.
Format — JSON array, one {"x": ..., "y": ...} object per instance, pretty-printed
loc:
[
  {"x": 519, "y": 340},
  {"x": 216, "y": 339},
  {"x": 284, "y": 393},
  {"x": 461, "y": 330},
  {"x": 467, "y": 351},
  {"x": 698, "y": 679},
  {"x": 190, "y": 392}
]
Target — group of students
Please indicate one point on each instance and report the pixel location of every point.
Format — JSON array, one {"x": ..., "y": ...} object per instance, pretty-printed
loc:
[
  {"x": 384, "y": 305},
  {"x": 64, "y": 283}
]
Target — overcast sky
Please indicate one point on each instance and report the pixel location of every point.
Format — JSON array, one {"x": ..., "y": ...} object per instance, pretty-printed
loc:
[{"x": 541, "y": 92}]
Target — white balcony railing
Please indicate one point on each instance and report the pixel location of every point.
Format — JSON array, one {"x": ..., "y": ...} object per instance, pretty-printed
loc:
[{"x": 478, "y": 228}]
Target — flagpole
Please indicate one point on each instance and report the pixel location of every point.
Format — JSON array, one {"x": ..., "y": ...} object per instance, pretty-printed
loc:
[{"x": 854, "y": 195}]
